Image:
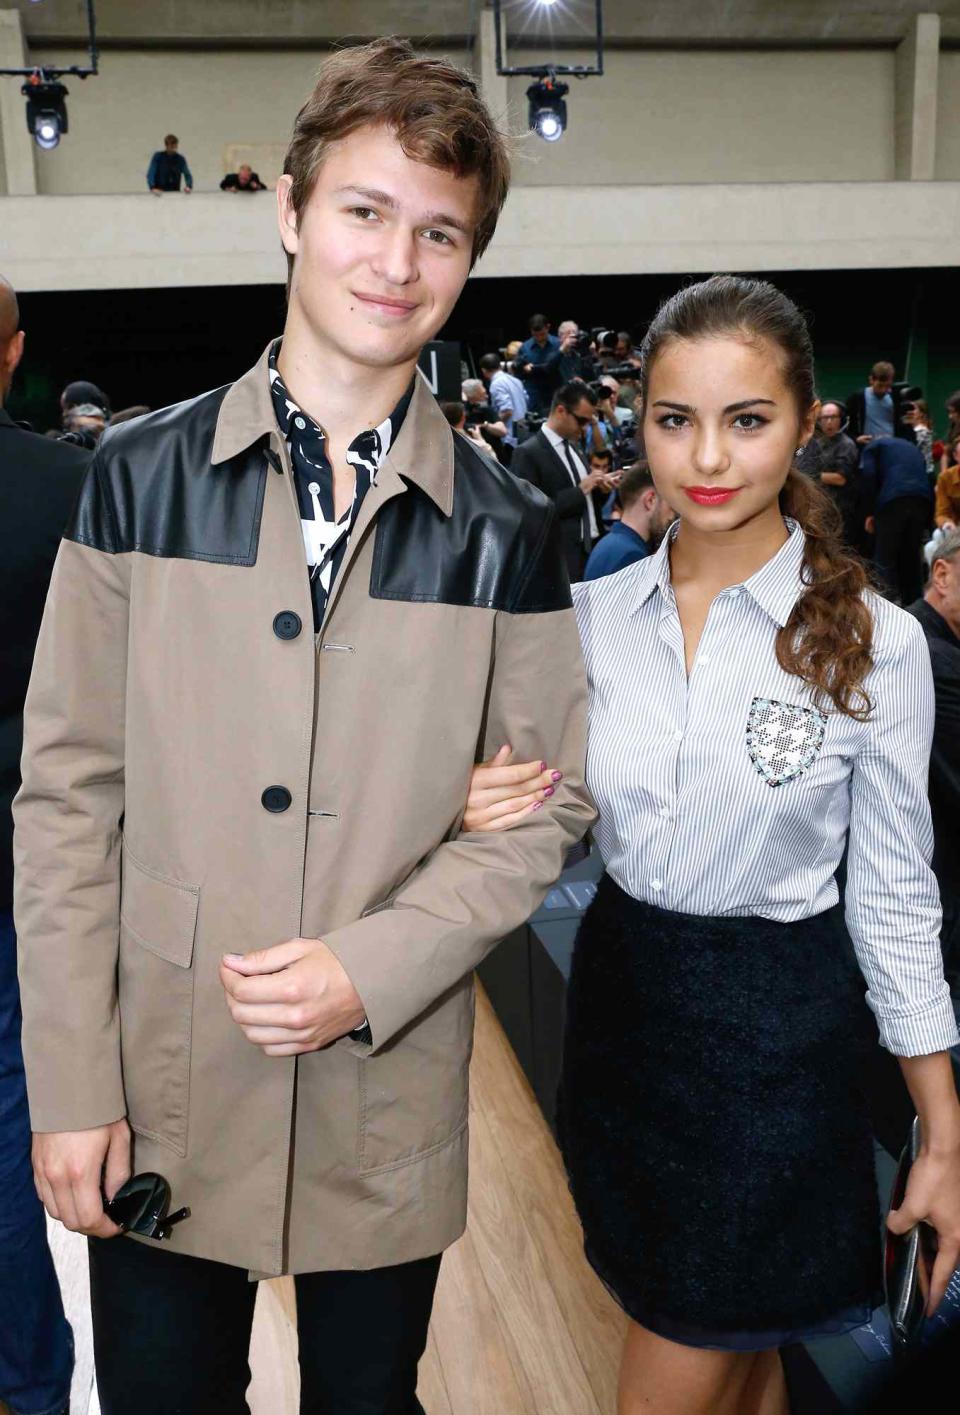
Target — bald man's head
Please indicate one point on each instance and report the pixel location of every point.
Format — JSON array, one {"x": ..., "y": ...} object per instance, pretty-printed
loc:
[{"x": 11, "y": 336}]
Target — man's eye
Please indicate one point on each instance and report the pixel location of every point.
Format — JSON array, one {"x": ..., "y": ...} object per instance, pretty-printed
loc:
[
  {"x": 439, "y": 238},
  {"x": 362, "y": 211}
]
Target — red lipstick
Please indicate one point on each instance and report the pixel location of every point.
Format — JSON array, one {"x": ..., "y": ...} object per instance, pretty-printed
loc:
[{"x": 711, "y": 495}]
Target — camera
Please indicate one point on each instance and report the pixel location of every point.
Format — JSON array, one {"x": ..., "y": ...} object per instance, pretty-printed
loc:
[{"x": 477, "y": 413}]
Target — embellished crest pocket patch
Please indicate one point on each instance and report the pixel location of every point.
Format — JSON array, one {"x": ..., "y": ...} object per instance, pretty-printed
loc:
[{"x": 783, "y": 739}]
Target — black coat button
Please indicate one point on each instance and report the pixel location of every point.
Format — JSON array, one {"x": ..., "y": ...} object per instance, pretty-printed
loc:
[
  {"x": 276, "y": 799},
  {"x": 287, "y": 625}
]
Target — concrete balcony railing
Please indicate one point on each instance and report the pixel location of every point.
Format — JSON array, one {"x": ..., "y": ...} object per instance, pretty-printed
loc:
[{"x": 139, "y": 241}]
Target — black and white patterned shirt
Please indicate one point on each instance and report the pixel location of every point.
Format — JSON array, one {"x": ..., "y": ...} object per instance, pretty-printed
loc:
[{"x": 324, "y": 537}]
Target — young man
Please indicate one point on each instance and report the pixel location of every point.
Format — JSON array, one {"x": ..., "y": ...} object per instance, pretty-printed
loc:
[
  {"x": 877, "y": 409},
  {"x": 247, "y": 920},
  {"x": 539, "y": 364},
  {"x": 644, "y": 518},
  {"x": 168, "y": 167}
]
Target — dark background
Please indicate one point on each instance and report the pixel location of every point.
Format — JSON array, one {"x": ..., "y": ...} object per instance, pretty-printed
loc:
[{"x": 159, "y": 346}]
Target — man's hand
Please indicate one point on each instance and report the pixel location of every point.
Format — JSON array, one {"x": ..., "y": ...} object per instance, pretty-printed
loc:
[
  {"x": 833, "y": 479},
  {"x": 864, "y": 438},
  {"x": 67, "y": 1166},
  {"x": 292, "y": 998},
  {"x": 594, "y": 481},
  {"x": 870, "y": 525}
]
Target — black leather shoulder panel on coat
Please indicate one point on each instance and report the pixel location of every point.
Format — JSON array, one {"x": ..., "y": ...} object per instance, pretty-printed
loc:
[
  {"x": 499, "y": 549},
  {"x": 151, "y": 488}
]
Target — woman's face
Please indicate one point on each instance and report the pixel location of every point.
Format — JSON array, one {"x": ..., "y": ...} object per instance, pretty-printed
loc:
[{"x": 721, "y": 429}]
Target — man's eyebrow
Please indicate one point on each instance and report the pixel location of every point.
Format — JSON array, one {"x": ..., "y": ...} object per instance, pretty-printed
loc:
[
  {"x": 433, "y": 218},
  {"x": 730, "y": 408}
]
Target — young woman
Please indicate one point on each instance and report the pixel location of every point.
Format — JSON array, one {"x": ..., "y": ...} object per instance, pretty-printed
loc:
[
  {"x": 917, "y": 416},
  {"x": 754, "y": 709}
]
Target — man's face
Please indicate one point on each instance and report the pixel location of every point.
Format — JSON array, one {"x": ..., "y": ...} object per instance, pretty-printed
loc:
[
  {"x": 573, "y": 424},
  {"x": 600, "y": 464},
  {"x": 542, "y": 335},
  {"x": 171, "y": 146},
  {"x": 382, "y": 249},
  {"x": 830, "y": 420},
  {"x": 621, "y": 348},
  {"x": 243, "y": 175},
  {"x": 946, "y": 578},
  {"x": 881, "y": 386},
  {"x": 569, "y": 329},
  {"x": 662, "y": 517}
]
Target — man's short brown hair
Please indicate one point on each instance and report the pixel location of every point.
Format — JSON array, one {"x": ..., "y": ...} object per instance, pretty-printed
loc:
[
  {"x": 434, "y": 109},
  {"x": 635, "y": 481},
  {"x": 882, "y": 370}
]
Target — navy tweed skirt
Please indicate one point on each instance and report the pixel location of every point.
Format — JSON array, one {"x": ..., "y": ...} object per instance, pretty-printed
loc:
[{"x": 716, "y": 1141}]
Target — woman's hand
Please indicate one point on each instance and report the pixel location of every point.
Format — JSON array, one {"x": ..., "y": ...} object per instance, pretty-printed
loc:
[
  {"x": 933, "y": 1195},
  {"x": 502, "y": 795}
]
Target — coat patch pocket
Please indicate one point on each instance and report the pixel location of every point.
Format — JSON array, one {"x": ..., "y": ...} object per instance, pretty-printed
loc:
[
  {"x": 783, "y": 739},
  {"x": 158, "y": 920}
]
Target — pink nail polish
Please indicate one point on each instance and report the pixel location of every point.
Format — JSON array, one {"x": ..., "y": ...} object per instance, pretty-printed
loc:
[
  {"x": 556, "y": 776},
  {"x": 543, "y": 766},
  {"x": 549, "y": 791}
]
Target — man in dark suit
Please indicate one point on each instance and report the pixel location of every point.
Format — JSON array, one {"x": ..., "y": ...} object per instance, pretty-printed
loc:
[
  {"x": 939, "y": 615},
  {"x": 39, "y": 481},
  {"x": 551, "y": 460}
]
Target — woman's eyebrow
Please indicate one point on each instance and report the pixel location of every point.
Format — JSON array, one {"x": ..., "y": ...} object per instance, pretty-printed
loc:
[{"x": 730, "y": 408}]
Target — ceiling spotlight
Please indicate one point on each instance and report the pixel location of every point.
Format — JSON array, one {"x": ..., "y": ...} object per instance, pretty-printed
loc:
[
  {"x": 547, "y": 109},
  {"x": 46, "y": 111}
]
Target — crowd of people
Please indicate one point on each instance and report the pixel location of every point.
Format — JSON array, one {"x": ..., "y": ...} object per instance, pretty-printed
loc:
[{"x": 269, "y": 634}]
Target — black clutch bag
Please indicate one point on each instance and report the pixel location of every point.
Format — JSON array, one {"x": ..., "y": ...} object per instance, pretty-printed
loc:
[{"x": 908, "y": 1260}]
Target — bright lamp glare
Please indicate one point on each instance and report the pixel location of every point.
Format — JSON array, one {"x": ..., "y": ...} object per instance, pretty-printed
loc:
[
  {"x": 548, "y": 126},
  {"x": 47, "y": 134}
]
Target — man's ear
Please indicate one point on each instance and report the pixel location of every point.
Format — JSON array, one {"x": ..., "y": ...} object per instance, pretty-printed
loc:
[{"x": 287, "y": 216}]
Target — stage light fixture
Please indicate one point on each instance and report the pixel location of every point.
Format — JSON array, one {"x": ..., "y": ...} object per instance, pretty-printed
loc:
[
  {"x": 547, "y": 108},
  {"x": 46, "y": 111}
]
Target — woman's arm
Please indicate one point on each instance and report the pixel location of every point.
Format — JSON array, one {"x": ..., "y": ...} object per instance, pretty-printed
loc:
[{"x": 933, "y": 1190}]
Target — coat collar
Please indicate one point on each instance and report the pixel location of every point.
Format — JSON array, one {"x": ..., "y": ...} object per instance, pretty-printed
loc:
[
  {"x": 422, "y": 453},
  {"x": 775, "y": 587}
]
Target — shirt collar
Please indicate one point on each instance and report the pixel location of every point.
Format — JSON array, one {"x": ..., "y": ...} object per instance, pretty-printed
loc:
[
  {"x": 775, "y": 587},
  {"x": 422, "y": 450},
  {"x": 556, "y": 440}
]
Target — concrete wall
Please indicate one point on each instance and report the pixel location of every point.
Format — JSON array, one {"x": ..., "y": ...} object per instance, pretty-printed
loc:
[
  {"x": 117, "y": 242},
  {"x": 667, "y": 116},
  {"x": 948, "y": 117},
  {"x": 721, "y": 116},
  {"x": 216, "y": 102}
]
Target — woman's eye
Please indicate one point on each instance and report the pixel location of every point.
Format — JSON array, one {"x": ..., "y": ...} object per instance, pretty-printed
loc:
[
  {"x": 671, "y": 421},
  {"x": 749, "y": 422}
]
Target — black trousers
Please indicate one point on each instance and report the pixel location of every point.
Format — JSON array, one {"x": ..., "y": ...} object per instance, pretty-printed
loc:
[
  {"x": 171, "y": 1334},
  {"x": 902, "y": 527}
]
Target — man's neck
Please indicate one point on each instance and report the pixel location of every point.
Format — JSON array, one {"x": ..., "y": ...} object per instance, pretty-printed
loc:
[
  {"x": 342, "y": 396},
  {"x": 551, "y": 424},
  {"x": 638, "y": 523}
]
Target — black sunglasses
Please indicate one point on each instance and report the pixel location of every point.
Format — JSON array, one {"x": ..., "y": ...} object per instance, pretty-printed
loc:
[{"x": 140, "y": 1206}]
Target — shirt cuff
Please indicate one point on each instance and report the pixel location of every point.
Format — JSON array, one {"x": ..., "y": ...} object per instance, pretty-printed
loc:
[{"x": 921, "y": 1033}]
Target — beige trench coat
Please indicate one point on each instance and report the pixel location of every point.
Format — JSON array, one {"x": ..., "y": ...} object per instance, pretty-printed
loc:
[{"x": 161, "y": 706}]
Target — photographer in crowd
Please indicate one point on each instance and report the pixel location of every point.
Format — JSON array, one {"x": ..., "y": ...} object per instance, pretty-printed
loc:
[
  {"x": 455, "y": 413},
  {"x": 509, "y": 400},
  {"x": 538, "y": 364},
  {"x": 877, "y": 409},
  {"x": 839, "y": 472},
  {"x": 480, "y": 415}
]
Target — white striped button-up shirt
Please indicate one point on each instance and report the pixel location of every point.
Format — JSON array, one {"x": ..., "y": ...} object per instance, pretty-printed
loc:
[{"x": 728, "y": 793}]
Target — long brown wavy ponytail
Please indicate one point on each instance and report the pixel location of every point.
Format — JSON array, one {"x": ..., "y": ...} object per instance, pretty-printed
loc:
[{"x": 828, "y": 639}]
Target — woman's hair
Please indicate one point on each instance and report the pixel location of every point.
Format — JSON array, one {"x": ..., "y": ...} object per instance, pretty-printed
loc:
[
  {"x": 923, "y": 408},
  {"x": 434, "y": 109},
  {"x": 828, "y": 639}
]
